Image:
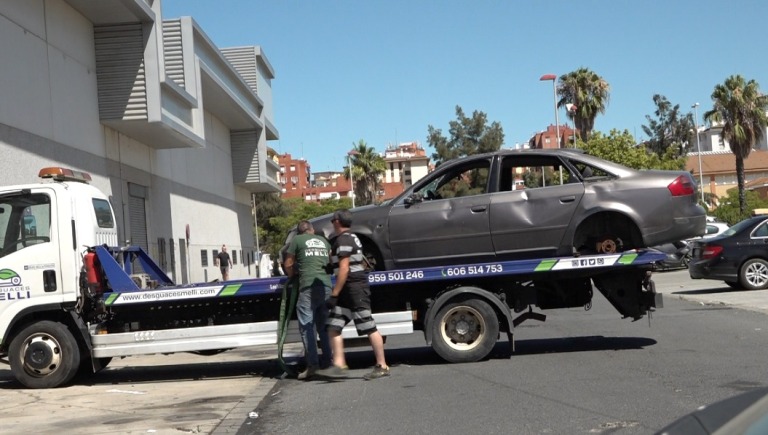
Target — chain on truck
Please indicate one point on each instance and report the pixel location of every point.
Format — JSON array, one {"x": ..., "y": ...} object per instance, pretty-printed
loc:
[{"x": 71, "y": 299}]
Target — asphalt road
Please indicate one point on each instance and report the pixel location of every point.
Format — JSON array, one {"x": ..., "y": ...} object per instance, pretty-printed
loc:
[{"x": 579, "y": 372}]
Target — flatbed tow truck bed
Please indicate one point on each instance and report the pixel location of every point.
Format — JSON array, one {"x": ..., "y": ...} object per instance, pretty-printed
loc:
[{"x": 222, "y": 315}]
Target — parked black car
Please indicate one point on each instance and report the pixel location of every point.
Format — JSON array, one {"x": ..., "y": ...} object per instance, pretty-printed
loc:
[
  {"x": 739, "y": 256},
  {"x": 678, "y": 255},
  {"x": 520, "y": 204}
]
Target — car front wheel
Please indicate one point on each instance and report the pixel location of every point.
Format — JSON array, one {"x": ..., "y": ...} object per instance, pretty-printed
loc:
[{"x": 753, "y": 274}]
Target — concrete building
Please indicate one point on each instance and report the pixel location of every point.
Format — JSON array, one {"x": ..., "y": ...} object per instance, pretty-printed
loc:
[{"x": 173, "y": 128}]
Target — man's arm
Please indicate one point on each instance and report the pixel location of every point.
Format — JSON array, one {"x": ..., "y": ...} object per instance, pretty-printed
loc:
[
  {"x": 288, "y": 265},
  {"x": 341, "y": 277}
]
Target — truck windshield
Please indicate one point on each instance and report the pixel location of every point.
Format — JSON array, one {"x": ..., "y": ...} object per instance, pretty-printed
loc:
[{"x": 25, "y": 220}]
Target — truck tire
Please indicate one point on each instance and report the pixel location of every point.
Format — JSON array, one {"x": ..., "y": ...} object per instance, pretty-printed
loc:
[
  {"x": 465, "y": 331},
  {"x": 44, "y": 355}
]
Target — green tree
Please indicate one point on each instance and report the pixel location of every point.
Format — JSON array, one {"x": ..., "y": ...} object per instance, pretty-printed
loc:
[
  {"x": 468, "y": 136},
  {"x": 589, "y": 93},
  {"x": 620, "y": 147},
  {"x": 367, "y": 169},
  {"x": 297, "y": 210},
  {"x": 267, "y": 205},
  {"x": 740, "y": 108},
  {"x": 670, "y": 128},
  {"x": 729, "y": 210}
]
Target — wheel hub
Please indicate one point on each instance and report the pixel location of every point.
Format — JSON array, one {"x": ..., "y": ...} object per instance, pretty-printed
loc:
[
  {"x": 42, "y": 355},
  {"x": 463, "y": 327}
]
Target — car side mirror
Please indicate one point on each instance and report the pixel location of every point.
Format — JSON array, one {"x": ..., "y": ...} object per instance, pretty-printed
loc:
[{"x": 413, "y": 199}]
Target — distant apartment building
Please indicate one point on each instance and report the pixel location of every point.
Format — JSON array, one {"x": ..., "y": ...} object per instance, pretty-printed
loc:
[
  {"x": 406, "y": 163},
  {"x": 548, "y": 138},
  {"x": 294, "y": 176}
]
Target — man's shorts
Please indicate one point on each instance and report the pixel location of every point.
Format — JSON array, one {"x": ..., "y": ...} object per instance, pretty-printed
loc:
[
  {"x": 223, "y": 270},
  {"x": 354, "y": 304}
]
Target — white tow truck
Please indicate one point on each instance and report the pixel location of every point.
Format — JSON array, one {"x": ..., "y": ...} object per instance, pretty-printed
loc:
[{"x": 70, "y": 299}]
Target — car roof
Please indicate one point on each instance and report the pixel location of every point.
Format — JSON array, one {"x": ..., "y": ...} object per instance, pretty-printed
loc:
[{"x": 579, "y": 154}]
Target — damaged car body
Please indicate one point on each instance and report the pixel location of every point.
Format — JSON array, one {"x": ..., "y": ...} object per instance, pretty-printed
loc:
[{"x": 520, "y": 204}]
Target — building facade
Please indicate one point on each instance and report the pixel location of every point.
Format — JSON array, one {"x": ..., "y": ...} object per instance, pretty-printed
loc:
[
  {"x": 294, "y": 177},
  {"x": 719, "y": 170},
  {"x": 548, "y": 138},
  {"x": 171, "y": 127},
  {"x": 406, "y": 163}
]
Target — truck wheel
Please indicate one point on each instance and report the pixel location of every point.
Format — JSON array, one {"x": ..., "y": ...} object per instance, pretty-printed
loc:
[
  {"x": 465, "y": 331},
  {"x": 753, "y": 274},
  {"x": 44, "y": 355}
]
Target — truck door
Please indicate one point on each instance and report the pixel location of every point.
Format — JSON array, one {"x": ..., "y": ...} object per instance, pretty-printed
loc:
[{"x": 29, "y": 254}]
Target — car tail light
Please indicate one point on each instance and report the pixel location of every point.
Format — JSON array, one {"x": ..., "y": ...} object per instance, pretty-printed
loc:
[
  {"x": 711, "y": 251},
  {"x": 682, "y": 186}
]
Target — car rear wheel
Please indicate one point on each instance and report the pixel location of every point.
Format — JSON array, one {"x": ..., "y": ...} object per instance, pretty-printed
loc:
[{"x": 753, "y": 274}]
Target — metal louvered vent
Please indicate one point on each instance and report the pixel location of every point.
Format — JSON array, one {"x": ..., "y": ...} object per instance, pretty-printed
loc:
[
  {"x": 120, "y": 72},
  {"x": 245, "y": 156},
  {"x": 172, "y": 52},
  {"x": 243, "y": 60}
]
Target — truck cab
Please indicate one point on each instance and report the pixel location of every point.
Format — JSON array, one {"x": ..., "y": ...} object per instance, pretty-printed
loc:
[{"x": 44, "y": 228}]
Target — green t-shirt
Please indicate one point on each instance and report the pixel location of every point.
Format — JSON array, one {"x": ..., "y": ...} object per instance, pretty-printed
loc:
[{"x": 311, "y": 254}]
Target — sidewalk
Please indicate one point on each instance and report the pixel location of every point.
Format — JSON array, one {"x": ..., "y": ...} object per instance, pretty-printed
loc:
[
  {"x": 709, "y": 292},
  {"x": 158, "y": 394}
]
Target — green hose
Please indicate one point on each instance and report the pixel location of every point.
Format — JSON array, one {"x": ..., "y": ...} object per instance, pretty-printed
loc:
[{"x": 287, "y": 306}]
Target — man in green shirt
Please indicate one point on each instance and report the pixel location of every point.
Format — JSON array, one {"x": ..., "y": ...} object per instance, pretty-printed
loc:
[{"x": 308, "y": 255}]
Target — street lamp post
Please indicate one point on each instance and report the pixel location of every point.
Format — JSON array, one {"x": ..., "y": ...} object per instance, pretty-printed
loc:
[
  {"x": 698, "y": 148},
  {"x": 351, "y": 177},
  {"x": 553, "y": 77}
]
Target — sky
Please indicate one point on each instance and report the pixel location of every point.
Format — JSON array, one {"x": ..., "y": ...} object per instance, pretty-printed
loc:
[{"x": 384, "y": 71}]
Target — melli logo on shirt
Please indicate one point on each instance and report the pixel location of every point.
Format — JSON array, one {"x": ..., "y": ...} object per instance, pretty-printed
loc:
[{"x": 315, "y": 243}]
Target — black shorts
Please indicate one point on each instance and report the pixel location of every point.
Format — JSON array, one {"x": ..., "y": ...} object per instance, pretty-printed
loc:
[{"x": 354, "y": 304}]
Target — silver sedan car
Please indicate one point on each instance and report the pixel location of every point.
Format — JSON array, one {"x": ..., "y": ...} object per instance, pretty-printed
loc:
[{"x": 521, "y": 204}]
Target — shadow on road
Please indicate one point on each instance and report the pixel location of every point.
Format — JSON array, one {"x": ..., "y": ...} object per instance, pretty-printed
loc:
[{"x": 423, "y": 355}]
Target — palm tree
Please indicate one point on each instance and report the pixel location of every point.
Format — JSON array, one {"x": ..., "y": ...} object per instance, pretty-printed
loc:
[
  {"x": 589, "y": 93},
  {"x": 740, "y": 108},
  {"x": 367, "y": 168}
]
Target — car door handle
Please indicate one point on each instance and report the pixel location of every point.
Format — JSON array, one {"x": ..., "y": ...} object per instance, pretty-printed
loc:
[
  {"x": 478, "y": 208},
  {"x": 567, "y": 199}
]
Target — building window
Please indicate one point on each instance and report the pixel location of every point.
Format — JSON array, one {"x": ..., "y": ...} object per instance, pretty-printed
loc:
[
  {"x": 215, "y": 255},
  {"x": 234, "y": 256},
  {"x": 293, "y": 168},
  {"x": 204, "y": 257}
]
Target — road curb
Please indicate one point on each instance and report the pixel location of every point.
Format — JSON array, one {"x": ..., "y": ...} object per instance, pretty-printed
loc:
[{"x": 239, "y": 415}]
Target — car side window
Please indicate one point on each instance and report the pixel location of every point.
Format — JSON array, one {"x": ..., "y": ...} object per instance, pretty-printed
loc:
[
  {"x": 589, "y": 172},
  {"x": 470, "y": 178},
  {"x": 520, "y": 172},
  {"x": 761, "y": 231}
]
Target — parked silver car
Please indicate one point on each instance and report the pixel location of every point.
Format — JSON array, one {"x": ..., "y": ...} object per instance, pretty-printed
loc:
[{"x": 519, "y": 204}]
